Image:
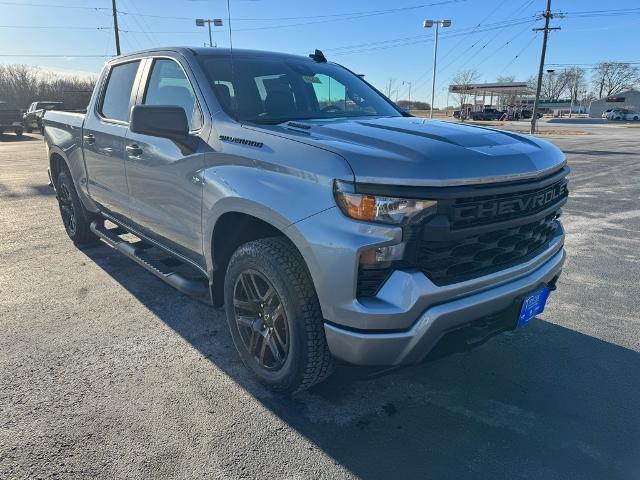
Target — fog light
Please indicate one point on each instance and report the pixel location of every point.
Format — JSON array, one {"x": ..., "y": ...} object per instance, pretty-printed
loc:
[{"x": 380, "y": 257}]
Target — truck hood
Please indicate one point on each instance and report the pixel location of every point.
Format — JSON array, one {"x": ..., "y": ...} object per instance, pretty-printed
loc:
[{"x": 413, "y": 151}]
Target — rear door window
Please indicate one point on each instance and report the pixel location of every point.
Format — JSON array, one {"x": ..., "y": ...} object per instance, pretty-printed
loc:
[{"x": 117, "y": 94}]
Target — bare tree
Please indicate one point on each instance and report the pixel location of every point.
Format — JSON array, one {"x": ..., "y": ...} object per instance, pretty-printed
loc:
[
  {"x": 463, "y": 79},
  {"x": 610, "y": 78},
  {"x": 577, "y": 81},
  {"x": 389, "y": 87},
  {"x": 21, "y": 84},
  {"x": 508, "y": 98}
]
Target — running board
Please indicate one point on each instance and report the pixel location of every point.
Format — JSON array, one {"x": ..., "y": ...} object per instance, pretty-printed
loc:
[{"x": 198, "y": 288}]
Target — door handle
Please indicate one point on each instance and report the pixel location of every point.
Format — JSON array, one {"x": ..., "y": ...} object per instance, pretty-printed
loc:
[
  {"x": 90, "y": 139},
  {"x": 133, "y": 150}
]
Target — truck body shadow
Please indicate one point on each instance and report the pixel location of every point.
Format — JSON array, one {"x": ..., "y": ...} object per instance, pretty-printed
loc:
[{"x": 544, "y": 402}]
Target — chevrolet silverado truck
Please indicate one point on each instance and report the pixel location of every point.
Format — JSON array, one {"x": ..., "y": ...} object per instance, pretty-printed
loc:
[{"x": 329, "y": 224}]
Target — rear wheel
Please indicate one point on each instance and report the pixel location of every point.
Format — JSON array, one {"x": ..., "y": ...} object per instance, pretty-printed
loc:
[
  {"x": 19, "y": 132},
  {"x": 75, "y": 217},
  {"x": 274, "y": 316}
]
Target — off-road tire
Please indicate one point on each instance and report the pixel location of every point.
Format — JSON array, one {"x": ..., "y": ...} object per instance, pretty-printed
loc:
[
  {"x": 81, "y": 233},
  {"x": 308, "y": 360}
]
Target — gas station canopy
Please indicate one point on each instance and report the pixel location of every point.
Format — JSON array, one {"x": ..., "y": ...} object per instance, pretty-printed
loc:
[{"x": 493, "y": 89}]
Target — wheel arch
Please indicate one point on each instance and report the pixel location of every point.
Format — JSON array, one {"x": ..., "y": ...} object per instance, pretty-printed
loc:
[{"x": 233, "y": 228}]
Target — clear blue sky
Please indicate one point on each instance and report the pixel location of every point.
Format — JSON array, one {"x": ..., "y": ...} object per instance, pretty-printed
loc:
[{"x": 361, "y": 34}]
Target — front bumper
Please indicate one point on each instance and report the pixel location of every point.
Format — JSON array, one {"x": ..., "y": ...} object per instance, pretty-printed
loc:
[{"x": 413, "y": 344}]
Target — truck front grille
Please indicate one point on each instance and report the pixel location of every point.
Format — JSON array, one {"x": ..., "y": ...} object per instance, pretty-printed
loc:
[
  {"x": 446, "y": 262},
  {"x": 478, "y": 230}
]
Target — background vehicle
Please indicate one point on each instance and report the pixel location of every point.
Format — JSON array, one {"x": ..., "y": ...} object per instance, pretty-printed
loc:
[
  {"x": 328, "y": 224},
  {"x": 623, "y": 114},
  {"x": 487, "y": 114},
  {"x": 525, "y": 114},
  {"x": 32, "y": 118},
  {"x": 606, "y": 113},
  {"x": 10, "y": 119}
]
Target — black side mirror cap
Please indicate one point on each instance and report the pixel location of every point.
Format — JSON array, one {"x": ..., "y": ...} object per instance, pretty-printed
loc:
[{"x": 167, "y": 121}]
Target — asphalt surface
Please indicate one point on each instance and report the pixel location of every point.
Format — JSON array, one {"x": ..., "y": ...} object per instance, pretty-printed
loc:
[{"x": 107, "y": 372}]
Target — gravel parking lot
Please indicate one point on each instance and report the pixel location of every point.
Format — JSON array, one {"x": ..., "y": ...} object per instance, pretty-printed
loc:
[{"x": 107, "y": 372}]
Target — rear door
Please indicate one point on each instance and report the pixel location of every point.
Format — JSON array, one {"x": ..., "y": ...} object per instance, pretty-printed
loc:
[
  {"x": 104, "y": 134},
  {"x": 165, "y": 181}
]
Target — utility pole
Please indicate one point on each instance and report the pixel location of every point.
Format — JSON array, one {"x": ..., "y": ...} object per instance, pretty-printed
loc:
[
  {"x": 547, "y": 16},
  {"x": 409, "y": 83},
  {"x": 429, "y": 24},
  {"x": 115, "y": 25}
]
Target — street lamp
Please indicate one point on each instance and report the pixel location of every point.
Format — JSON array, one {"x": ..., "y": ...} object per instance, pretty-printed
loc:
[
  {"x": 438, "y": 24},
  {"x": 217, "y": 22}
]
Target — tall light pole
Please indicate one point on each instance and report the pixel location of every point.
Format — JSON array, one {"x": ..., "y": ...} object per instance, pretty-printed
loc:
[
  {"x": 217, "y": 22},
  {"x": 438, "y": 24}
]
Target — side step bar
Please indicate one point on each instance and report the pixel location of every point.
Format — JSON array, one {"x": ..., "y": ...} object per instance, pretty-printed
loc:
[{"x": 198, "y": 288}]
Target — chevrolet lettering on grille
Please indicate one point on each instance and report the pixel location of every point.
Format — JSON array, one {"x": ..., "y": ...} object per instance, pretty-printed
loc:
[{"x": 517, "y": 206}]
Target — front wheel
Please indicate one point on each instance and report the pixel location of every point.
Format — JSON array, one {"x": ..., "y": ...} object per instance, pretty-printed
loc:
[
  {"x": 274, "y": 316},
  {"x": 75, "y": 217}
]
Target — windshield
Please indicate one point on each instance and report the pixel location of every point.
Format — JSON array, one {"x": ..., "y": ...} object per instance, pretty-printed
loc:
[
  {"x": 275, "y": 90},
  {"x": 47, "y": 106}
]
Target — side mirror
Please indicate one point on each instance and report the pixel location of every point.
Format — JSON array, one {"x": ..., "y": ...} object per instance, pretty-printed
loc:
[{"x": 167, "y": 121}]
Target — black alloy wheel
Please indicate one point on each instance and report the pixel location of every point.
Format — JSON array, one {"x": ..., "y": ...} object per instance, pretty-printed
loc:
[
  {"x": 261, "y": 320},
  {"x": 67, "y": 210}
]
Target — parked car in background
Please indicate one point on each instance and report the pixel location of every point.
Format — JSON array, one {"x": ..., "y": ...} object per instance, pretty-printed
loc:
[
  {"x": 623, "y": 114},
  {"x": 526, "y": 114},
  {"x": 32, "y": 118},
  {"x": 487, "y": 114},
  {"x": 10, "y": 119},
  {"x": 606, "y": 113}
]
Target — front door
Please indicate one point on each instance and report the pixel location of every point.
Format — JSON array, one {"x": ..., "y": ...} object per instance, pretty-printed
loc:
[
  {"x": 165, "y": 182},
  {"x": 104, "y": 133}
]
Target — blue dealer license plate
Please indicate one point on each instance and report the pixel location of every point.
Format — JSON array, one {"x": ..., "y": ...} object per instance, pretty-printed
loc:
[{"x": 532, "y": 305}]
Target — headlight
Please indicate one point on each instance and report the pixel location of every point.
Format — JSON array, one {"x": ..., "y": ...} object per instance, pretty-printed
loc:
[{"x": 382, "y": 209}]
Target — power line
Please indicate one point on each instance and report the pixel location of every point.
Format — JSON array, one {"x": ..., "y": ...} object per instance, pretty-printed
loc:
[
  {"x": 42, "y": 5},
  {"x": 72, "y": 27},
  {"x": 518, "y": 54},
  {"x": 329, "y": 17},
  {"x": 459, "y": 56},
  {"x": 52, "y": 55},
  {"x": 404, "y": 41}
]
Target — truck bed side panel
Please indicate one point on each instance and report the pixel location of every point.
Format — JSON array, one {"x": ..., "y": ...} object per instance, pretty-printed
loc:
[{"x": 63, "y": 137}]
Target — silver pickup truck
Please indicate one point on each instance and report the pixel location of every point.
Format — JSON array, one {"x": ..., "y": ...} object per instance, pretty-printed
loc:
[{"x": 330, "y": 224}]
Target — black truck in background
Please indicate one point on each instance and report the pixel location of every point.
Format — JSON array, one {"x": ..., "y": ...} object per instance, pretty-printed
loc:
[
  {"x": 32, "y": 118},
  {"x": 10, "y": 119}
]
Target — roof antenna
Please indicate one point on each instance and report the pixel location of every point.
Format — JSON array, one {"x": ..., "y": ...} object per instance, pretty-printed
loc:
[{"x": 318, "y": 56}]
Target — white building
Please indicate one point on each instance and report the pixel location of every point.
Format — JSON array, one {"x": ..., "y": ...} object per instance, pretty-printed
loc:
[{"x": 629, "y": 100}]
